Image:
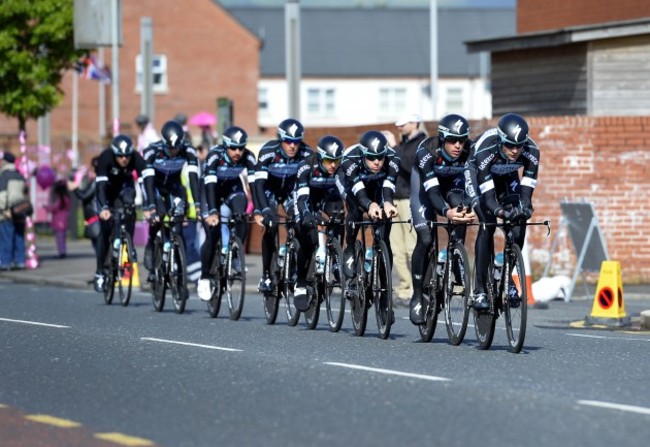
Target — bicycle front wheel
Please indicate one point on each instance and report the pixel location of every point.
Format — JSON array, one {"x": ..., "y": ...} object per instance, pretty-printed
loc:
[
  {"x": 485, "y": 320},
  {"x": 272, "y": 300},
  {"x": 430, "y": 298},
  {"x": 383, "y": 291},
  {"x": 109, "y": 276},
  {"x": 125, "y": 269},
  {"x": 159, "y": 286},
  {"x": 312, "y": 314},
  {"x": 515, "y": 299},
  {"x": 236, "y": 278},
  {"x": 215, "y": 285},
  {"x": 178, "y": 274},
  {"x": 357, "y": 291},
  {"x": 457, "y": 294},
  {"x": 290, "y": 278},
  {"x": 333, "y": 289}
]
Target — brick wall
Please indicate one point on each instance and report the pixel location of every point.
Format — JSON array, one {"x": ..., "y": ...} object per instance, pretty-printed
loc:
[{"x": 536, "y": 15}]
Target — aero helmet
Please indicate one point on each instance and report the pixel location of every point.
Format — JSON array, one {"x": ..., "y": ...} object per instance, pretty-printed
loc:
[
  {"x": 512, "y": 129},
  {"x": 373, "y": 144},
  {"x": 122, "y": 145},
  {"x": 453, "y": 126},
  {"x": 234, "y": 137},
  {"x": 291, "y": 130},
  {"x": 172, "y": 134},
  {"x": 330, "y": 148}
]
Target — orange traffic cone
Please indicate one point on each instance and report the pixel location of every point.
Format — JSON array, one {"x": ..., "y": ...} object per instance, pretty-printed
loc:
[{"x": 529, "y": 279}]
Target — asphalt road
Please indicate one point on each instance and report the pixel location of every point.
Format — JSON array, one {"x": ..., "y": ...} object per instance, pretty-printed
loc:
[{"x": 189, "y": 380}]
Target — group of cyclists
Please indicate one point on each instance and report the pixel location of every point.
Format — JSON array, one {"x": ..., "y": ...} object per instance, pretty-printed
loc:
[{"x": 453, "y": 177}]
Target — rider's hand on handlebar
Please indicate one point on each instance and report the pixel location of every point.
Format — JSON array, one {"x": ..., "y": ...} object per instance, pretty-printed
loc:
[
  {"x": 212, "y": 220},
  {"x": 105, "y": 214},
  {"x": 374, "y": 211},
  {"x": 390, "y": 210}
]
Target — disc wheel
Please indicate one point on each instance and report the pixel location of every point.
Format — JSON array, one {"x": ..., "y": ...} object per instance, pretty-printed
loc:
[
  {"x": 383, "y": 291},
  {"x": 235, "y": 278},
  {"x": 515, "y": 299},
  {"x": 456, "y": 286},
  {"x": 333, "y": 290},
  {"x": 125, "y": 269}
]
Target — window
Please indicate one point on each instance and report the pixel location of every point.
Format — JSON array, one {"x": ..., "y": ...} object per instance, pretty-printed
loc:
[
  {"x": 159, "y": 71},
  {"x": 262, "y": 99},
  {"x": 320, "y": 101},
  {"x": 454, "y": 103},
  {"x": 392, "y": 101}
]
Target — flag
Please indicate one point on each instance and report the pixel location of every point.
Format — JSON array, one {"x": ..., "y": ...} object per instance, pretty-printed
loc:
[{"x": 89, "y": 68}]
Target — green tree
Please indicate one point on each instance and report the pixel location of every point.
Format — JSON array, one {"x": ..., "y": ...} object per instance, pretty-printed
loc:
[{"x": 36, "y": 48}]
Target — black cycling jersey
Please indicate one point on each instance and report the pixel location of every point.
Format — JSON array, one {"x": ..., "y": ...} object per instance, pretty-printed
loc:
[
  {"x": 112, "y": 178},
  {"x": 223, "y": 177},
  {"x": 314, "y": 186},
  {"x": 276, "y": 173}
]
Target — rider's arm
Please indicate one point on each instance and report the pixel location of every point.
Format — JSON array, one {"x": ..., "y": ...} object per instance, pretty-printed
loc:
[
  {"x": 210, "y": 182},
  {"x": 193, "y": 172},
  {"x": 425, "y": 165},
  {"x": 104, "y": 165},
  {"x": 149, "y": 178},
  {"x": 302, "y": 187},
  {"x": 484, "y": 160},
  {"x": 388, "y": 187},
  {"x": 261, "y": 175},
  {"x": 530, "y": 157}
]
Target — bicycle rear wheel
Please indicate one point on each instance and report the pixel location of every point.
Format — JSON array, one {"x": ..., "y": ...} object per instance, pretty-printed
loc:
[
  {"x": 125, "y": 269},
  {"x": 383, "y": 291},
  {"x": 215, "y": 285},
  {"x": 290, "y": 278},
  {"x": 235, "y": 278},
  {"x": 272, "y": 299},
  {"x": 359, "y": 297},
  {"x": 515, "y": 305},
  {"x": 333, "y": 289},
  {"x": 430, "y": 296},
  {"x": 312, "y": 314},
  {"x": 178, "y": 274},
  {"x": 159, "y": 286},
  {"x": 485, "y": 320},
  {"x": 457, "y": 294},
  {"x": 109, "y": 276}
]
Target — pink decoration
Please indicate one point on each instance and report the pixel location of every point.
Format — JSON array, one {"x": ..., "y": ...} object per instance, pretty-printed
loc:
[
  {"x": 45, "y": 176},
  {"x": 31, "y": 237}
]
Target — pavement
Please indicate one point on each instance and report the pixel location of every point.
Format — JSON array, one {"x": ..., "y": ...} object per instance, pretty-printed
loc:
[{"x": 77, "y": 269}]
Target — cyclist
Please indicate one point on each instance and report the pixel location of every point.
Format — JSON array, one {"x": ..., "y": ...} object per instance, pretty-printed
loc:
[
  {"x": 275, "y": 177},
  {"x": 162, "y": 181},
  {"x": 228, "y": 164},
  {"x": 366, "y": 180},
  {"x": 492, "y": 183},
  {"x": 115, "y": 188},
  {"x": 316, "y": 193},
  {"x": 437, "y": 188}
]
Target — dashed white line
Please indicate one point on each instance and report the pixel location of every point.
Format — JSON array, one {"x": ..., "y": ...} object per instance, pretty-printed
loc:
[
  {"x": 35, "y": 323},
  {"x": 612, "y": 406},
  {"x": 389, "y": 372},
  {"x": 196, "y": 345},
  {"x": 604, "y": 337}
]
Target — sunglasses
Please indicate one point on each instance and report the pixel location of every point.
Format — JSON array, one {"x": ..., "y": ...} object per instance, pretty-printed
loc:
[
  {"x": 509, "y": 145},
  {"x": 294, "y": 142},
  {"x": 238, "y": 149},
  {"x": 454, "y": 140},
  {"x": 375, "y": 157},
  {"x": 123, "y": 155}
]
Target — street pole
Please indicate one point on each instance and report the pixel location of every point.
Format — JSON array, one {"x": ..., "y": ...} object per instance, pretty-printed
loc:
[
  {"x": 146, "y": 56},
  {"x": 434, "y": 56},
  {"x": 292, "y": 55},
  {"x": 115, "y": 22}
]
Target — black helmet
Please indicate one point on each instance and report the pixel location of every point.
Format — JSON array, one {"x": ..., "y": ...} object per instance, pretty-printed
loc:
[
  {"x": 512, "y": 129},
  {"x": 453, "y": 126},
  {"x": 122, "y": 145},
  {"x": 234, "y": 137},
  {"x": 142, "y": 120},
  {"x": 330, "y": 148},
  {"x": 291, "y": 130},
  {"x": 373, "y": 143},
  {"x": 172, "y": 134}
]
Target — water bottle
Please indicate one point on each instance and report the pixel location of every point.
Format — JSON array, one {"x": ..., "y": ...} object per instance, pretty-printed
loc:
[
  {"x": 116, "y": 247},
  {"x": 367, "y": 263},
  {"x": 442, "y": 258},
  {"x": 498, "y": 263},
  {"x": 167, "y": 247},
  {"x": 320, "y": 261},
  {"x": 281, "y": 253}
]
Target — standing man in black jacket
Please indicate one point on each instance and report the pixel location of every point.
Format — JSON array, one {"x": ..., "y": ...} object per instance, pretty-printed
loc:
[{"x": 402, "y": 238}]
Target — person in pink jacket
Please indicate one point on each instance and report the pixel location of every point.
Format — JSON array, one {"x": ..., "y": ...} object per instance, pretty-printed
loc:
[{"x": 59, "y": 209}]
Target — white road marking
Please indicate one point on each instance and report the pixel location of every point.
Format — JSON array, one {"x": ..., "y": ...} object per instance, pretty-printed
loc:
[
  {"x": 389, "y": 371},
  {"x": 604, "y": 337},
  {"x": 196, "y": 345},
  {"x": 612, "y": 406},
  {"x": 35, "y": 323}
]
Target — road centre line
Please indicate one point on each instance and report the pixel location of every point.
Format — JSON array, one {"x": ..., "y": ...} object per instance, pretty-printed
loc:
[
  {"x": 612, "y": 406},
  {"x": 389, "y": 372},
  {"x": 604, "y": 337},
  {"x": 35, "y": 323},
  {"x": 196, "y": 345}
]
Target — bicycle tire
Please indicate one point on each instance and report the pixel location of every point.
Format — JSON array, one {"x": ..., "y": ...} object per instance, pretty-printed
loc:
[
  {"x": 289, "y": 281},
  {"x": 485, "y": 320},
  {"x": 272, "y": 300},
  {"x": 214, "y": 305},
  {"x": 515, "y": 313},
  {"x": 359, "y": 298},
  {"x": 334, "y": 286},
  {"x": 430, "y": 297},
  {"x": 312, "y": 314},
  {"x": 178, "y": 274},
  {"x": 456, "y": 289},
  {"x": 109, "y": 276},
  {"x": 125, "y": 269},
  {"x": 235, "y": 281},
  {"x": 383, "y": 291},
  {"x": 159, "y": 286}
]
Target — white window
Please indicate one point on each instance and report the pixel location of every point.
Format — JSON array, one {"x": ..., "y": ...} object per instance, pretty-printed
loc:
[
  {"x": 263, "y": 99},
  {"x": 321, "y": 101},
  {"x": 454, "y": 102},
  {"x": 159, "y": 71},
  {"x": 392, "y": 101}
]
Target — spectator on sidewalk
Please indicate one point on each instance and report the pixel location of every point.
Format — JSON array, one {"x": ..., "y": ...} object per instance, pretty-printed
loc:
[
  {"x": 402, "y": 237},
  {"x": 147, "y": 133},
  {"x": 83, "y": 187},
  {"x": 13, "y": 189},
  {"x": 59, "y": 209}
]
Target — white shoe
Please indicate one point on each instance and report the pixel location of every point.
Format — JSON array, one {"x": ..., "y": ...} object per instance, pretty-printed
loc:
[{"x": 204, "y": 289}]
